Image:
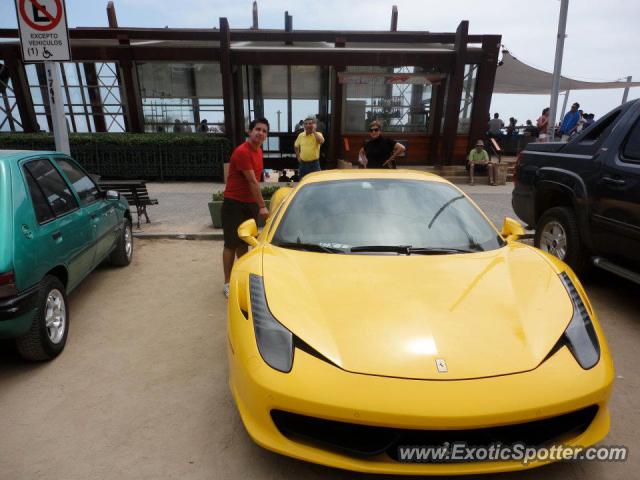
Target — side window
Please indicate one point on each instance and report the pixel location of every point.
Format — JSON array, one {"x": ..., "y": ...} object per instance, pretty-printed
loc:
[
  {"x": 53, "y": 186},
  {"x": 594, "y": 133},
  {"x": 631, "y": 149},
  {"x": 86, "y": 188},
  {"x": 43, "y": 210}
]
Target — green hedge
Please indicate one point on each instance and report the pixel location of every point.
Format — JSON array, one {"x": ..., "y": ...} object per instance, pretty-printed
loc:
[
  {"x": 147, "y": 156},
  {"x": 267, "y": 192}
]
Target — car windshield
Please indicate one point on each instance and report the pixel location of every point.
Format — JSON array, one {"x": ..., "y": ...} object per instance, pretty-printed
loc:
[{"x": 384, "y": 215}]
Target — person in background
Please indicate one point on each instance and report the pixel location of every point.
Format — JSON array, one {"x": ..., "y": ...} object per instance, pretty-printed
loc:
[
  {"x": 530, "y": 129},
  {"x": 480, "y": 156},
  {"x": 204, "y": 127},
  {"x": 542, "y": 123},
  {"x": 495, "y": 126},
  {"x": 307, "y": 148},
  {"x": 570, "y": 122},
  {"x": 379, "y": 151},
  {"x": 511, "y": 129},
  {"x": 581, "y": 121},
  {"x": 186, "y": 128},
  {"x": 242, "y": 196},
  {"x": 177, "y": 126}
]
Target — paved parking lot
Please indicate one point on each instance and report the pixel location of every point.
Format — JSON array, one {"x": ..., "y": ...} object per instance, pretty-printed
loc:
[{"x": 141, "y": 389}]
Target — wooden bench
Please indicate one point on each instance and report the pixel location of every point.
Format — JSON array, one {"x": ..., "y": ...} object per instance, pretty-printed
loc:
[{"x": 135, "y": 191}]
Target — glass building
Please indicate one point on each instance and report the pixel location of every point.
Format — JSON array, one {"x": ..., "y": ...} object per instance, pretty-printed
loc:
[{"x": 432, "y": 91}]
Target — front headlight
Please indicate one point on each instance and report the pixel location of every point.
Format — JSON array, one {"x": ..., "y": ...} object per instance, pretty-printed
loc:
[
  {"x": 580, "y": 336},
  {"x": 275, "y": 342}
]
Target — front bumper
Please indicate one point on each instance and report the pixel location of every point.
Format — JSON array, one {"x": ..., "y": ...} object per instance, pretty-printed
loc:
[
  {"x": 16, "y": 313},
  {"x": 317, "y": 389}
]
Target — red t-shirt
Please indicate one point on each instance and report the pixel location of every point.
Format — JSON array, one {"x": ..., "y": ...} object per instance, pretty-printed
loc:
[{"x": 245, "y": 157}]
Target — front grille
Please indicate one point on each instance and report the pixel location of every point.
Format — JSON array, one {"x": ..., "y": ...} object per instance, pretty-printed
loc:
[{"x": 367, "y": 441}]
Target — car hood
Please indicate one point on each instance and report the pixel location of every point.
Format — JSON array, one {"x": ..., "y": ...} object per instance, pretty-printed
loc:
[{"x": 483, "y": 314}]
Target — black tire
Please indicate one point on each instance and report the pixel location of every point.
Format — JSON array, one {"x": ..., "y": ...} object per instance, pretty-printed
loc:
[
  {"x": 37, "y": 344},
  {"x": 575, "y": 253},
  {"x": 120, "y": 257}
]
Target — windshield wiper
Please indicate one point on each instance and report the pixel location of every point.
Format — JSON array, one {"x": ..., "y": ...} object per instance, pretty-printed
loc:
[
  {"x": 383, "y": 248},
  {"x": 408, "y": 249},
  {"x": 311, "y": 247},
  {"x": 438, "y": 251}
]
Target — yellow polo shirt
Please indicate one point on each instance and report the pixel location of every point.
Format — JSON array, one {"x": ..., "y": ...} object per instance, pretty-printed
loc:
[{"x": 309, "y": 146}]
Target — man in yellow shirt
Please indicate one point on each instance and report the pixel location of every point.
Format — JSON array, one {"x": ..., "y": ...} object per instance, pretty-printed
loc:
[{"x": 307, "y": 148}]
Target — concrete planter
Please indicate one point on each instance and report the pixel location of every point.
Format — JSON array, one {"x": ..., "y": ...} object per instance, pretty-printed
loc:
[{"x": 215, "y": 209}]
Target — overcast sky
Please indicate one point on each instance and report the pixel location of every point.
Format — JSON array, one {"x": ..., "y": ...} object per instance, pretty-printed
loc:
[{"x": 603, "y": 40}]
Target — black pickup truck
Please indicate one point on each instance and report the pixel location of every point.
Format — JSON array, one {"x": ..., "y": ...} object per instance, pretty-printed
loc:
[{"x": 583, "y": 197}]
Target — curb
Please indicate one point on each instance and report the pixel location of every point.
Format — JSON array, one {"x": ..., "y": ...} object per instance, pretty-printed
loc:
[{"x": 178, "y": 236}]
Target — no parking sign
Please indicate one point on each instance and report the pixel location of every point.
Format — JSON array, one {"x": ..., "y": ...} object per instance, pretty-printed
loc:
[{"x": 43, "y": 30}]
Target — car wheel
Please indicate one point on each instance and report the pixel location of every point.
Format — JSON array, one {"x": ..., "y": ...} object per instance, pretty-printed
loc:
[
  {"x": 123, "y": 254},
  {"x": 48, "y": 333},
  {"x": 557, "y": 233}
]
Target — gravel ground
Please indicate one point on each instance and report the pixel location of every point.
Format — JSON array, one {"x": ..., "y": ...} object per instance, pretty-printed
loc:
[{"x": 141, "y": 390}]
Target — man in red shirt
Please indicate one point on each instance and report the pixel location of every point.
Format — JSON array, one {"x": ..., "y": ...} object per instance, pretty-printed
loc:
[{"x": 242, "y": 197}]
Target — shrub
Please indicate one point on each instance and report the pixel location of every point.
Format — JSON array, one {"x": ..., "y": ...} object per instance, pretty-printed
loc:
[
  {"x": 137, "y": 155},
  {"x": 267, "y": 192}
]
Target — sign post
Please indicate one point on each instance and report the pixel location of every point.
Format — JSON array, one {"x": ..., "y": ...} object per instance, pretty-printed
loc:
[{"x": 44, "y": 37}]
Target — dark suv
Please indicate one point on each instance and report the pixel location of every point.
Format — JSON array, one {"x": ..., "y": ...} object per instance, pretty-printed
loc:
[{"x": 583, "y": 197}]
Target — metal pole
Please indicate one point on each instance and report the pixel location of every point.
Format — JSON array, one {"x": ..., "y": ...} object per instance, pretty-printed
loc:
[
  {"x": 564, "y": 104},
  {"x": 56, "y": 103},
  {"x": 557, "y": 67},
  {"x": 625, "y": 95}
]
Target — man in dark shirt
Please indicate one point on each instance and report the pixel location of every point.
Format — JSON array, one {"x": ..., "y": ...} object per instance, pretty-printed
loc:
[{"x": 379, "y": 151}]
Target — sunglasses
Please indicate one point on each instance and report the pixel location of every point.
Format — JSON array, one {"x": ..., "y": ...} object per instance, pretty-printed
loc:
[{"x": 374, "y": 129}]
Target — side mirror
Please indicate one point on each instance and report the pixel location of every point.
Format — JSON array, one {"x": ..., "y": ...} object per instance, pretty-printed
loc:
[
  {"x": 511, "y": 229},
  {"x": 248, "y": 231},
  {"x": 112, "y": 195}
]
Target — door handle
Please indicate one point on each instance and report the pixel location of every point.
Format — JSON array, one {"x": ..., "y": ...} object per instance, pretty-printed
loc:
[
  {"x": 56, "y": 235},
  {"x": 618, "y": 182}
]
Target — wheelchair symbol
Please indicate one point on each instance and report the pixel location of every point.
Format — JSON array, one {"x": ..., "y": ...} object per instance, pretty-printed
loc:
[{"x": 46, "y": 53}]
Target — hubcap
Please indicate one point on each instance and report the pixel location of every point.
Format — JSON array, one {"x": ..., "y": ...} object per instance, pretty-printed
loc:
[
  {"x": 553, "y": 239},
  {"x": 128, "y": 243},
  {"x": 55, "y": 316}
]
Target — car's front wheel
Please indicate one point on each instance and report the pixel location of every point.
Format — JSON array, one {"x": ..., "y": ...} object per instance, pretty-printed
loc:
[
  {"x": 123, "y": 253},
  {"x": 48, "y": 333},
  {"x": 557, "y": 233}
]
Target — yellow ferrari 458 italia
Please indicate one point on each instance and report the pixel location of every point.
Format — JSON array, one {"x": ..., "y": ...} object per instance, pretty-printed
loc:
[{"x": 381, "y": 323}]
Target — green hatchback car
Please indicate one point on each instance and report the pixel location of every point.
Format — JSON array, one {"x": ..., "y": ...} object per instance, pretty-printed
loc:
[{"x": 56, "y": 226}]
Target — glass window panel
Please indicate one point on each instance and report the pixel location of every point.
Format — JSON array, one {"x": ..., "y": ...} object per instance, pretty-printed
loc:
[
  {"x": 71, "y": 74},
  {"x": 92, "y": 126},
  {"x": 168, "y": 90},
  {"x": 81, "y": 123},
  {"x": 53, "y": 186},
  {"x": 84, "y": 186},
  {"x": 36, "y": 95},
  {"x": 466, "y": 101},
  {"x": 398, "y": 97},
  {"x": 75, "y": 95},
  {"x": 208, "y": 80},
  {"x": 43, "y": 125},
  {"x": 40, "y": 205},
  {"x": 32, "y": 74}
]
